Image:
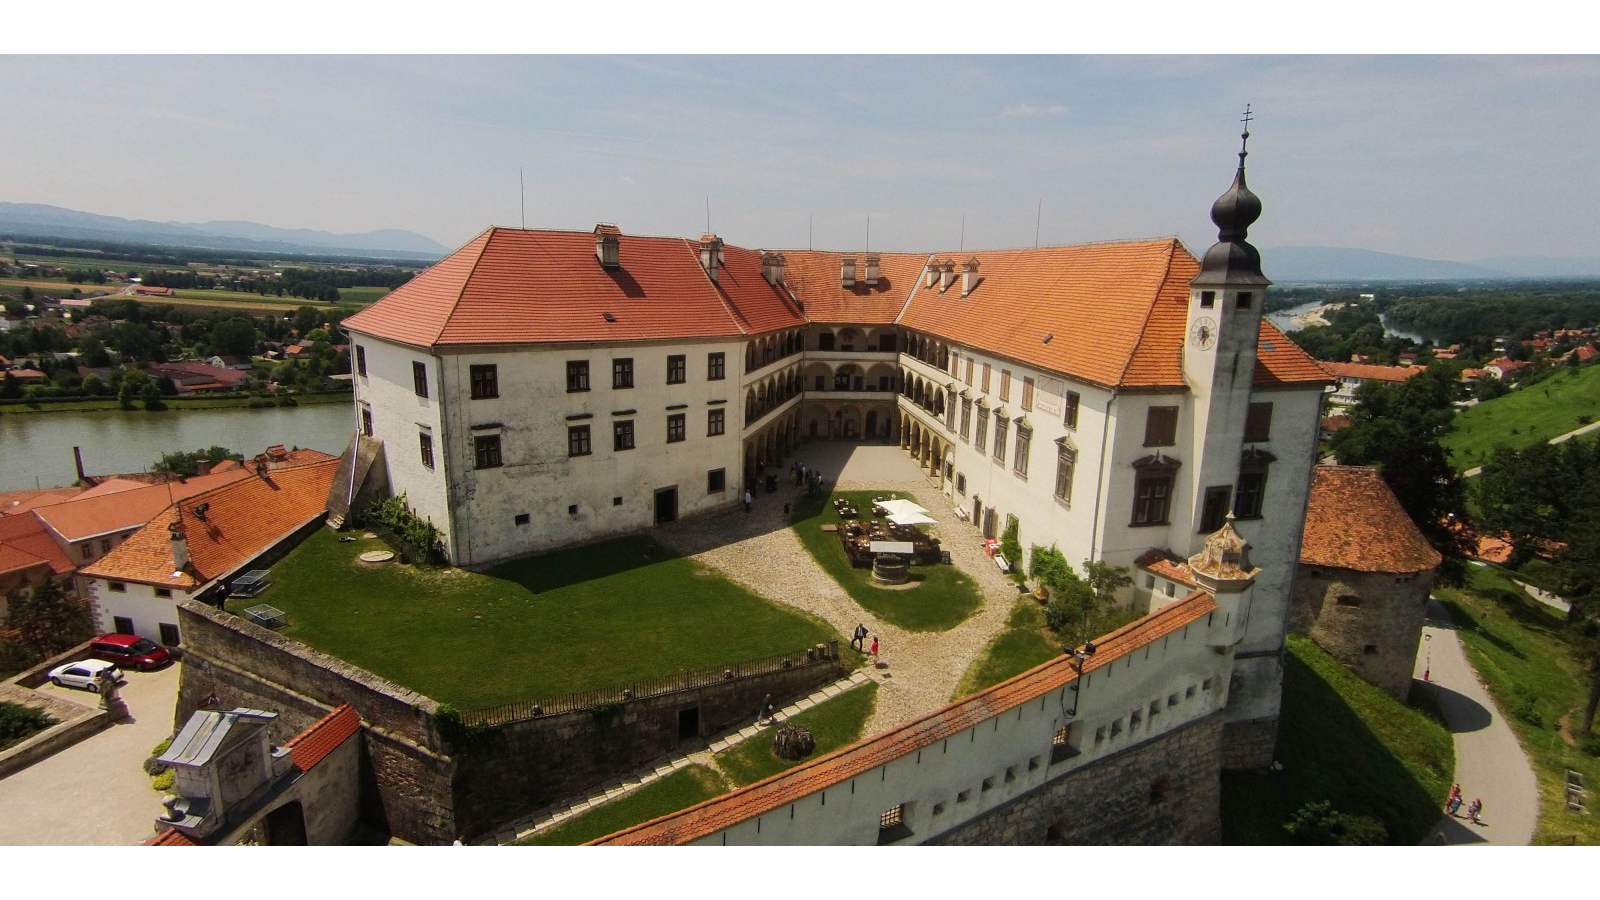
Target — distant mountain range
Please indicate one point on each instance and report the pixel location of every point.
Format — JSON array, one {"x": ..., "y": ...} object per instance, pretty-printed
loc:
[
  {"x": 38, "y": 221},
  {"x": 1321, "y": 264}
]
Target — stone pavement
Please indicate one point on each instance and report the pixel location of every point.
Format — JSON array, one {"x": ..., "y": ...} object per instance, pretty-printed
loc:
[
  {"x": 95, "y": 792},
  {"x": 1490, "y": 763}
]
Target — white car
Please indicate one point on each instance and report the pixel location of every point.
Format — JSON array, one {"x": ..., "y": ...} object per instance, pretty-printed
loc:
[{"x": 84, "y": 674}]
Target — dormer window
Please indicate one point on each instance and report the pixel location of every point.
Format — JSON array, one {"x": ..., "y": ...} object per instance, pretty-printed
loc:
[
  {"x": 607, "y": 243},
  {"x": 872, "y": 270},
  {"x": 847, "y": 272}
]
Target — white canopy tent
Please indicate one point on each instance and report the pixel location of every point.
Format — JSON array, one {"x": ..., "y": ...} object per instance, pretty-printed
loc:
[
  {"x": 916, "y": 518},
  {"x": 892, "y": 508}
]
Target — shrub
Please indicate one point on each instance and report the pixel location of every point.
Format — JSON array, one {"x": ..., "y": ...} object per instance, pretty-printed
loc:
[
  {"x": 18, "y": 723},
  {"x": 164, "y": 782},
  {"x": 1524, "y": 704},
  {"x": 1319, "y": 824},
  {"x": 416, "y": 536},
  {"x": 1590, "y": 744}
]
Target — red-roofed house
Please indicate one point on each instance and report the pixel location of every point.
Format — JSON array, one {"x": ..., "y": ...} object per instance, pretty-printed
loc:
[
  {"x": 1353, "y": 375},
  {"x": 1506, "y": 368},
  {"x": 28, "y": 555},
  {"x": 201, "y": 542},
  {"x": 540, "y": 388},
  {"x": 1365, "y": 574}
]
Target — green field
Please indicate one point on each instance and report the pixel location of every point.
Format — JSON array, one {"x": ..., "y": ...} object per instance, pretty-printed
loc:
[
  {"x": 1024, "y": 643},
  {"x": 834, "y": 724},
  {"x": 1526, "y": 416},
  {"x": 680, "y": 790}
]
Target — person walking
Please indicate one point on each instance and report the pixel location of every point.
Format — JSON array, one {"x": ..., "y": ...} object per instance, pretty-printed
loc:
[
  {"x": 1453, "y": 802},
  {"x": 765, "y": 716},
  {"x": 748, "y": 500},
  {"x": 874, "y": 651},
  {"x": 1475, "y": 810},
  {"x": 859, "y": 637}
]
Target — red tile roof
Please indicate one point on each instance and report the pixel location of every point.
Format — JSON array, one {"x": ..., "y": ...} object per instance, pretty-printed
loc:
[
  {"x": 311, "y": 746},
  {"x": 813, "y": 276},
  {"x": 1172, "y": 568},
  {"x": 26, "y": 543},
  {"x": 14, "y": 502},
  {"x": 1371, "y": 372},
  {"x": 241, "y": 520},
  {"x": 172, "y": 837},
  {"x": 514, "y": 286},
  {"x": 1353, "y": 521},
  {"x": 1281, "y": 361},
  {"x": 808, "y": 778},
  {"x": 119, "y": 505}
]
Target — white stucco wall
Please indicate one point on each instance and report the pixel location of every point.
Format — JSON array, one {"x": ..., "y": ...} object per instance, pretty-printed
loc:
[
  {"x": 398, "y": 416},
  {"x": 137, "y": 602}
]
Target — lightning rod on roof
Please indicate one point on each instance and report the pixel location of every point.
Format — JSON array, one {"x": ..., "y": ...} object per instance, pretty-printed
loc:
[
  {"x": 810, "y": 217},
  {"x": 963, "y": 233},
  {"x": 869, "y": 231},
  {"x": 1036, "y": 217},
  {"x": 522, "y": 192},
  {"x": 708, "y": 214}
]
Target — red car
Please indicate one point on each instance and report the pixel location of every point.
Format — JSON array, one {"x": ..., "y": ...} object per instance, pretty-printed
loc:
[{"x": 130, "y": 651}]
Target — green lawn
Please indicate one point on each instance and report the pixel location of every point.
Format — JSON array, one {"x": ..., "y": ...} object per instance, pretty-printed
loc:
[
  {"x": 1025, "y": 643},
  {"x": 943, "y": 598},
  {"x": 1526, "y": 416},
  {"x": 833, "y": 724},
  {"x": 589, "y": 617},
  {"x": 1342, "y": 740},
  {"x": 1521, "y": 651},
  {"x": 211, "y": 401}
]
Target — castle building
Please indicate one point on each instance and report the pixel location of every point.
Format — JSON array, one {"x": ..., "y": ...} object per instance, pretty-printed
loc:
[{"x": 538, "y": 388}]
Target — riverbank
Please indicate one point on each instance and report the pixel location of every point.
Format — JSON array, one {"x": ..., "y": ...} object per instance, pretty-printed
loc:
[
  {"x": 111, "y": 404},
  {"x": 1316, "y": 316}
]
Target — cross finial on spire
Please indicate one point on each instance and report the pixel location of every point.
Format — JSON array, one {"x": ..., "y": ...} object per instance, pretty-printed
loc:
[{"x": 1244, "y": 138}]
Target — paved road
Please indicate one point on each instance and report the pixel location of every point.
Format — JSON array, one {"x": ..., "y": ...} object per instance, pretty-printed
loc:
[
  {"x": 1490, "y": 763},
  {"x": 1475, "y": 471},
  {"x": 94, "y": 792}
]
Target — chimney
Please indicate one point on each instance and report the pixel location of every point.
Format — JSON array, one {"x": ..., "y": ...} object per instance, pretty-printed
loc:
[
  {"x": 710, "y": 254},
  {"x": 772, "y": 267},
  {"x": 872, "y": 270},
  {"x": 931, "y": 273},
  {"x": 607, "y": 240},
  {"x": 969, "y": 276},
  {"x": 77, "y": 459},
  {"x": 947, "y": 274},
  {"x": 180, "y": 546},
  {"x": 847, "y": 272}
]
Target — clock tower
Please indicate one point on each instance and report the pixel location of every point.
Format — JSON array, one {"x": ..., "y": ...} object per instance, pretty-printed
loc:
[{"x": 1219, "y": 353}]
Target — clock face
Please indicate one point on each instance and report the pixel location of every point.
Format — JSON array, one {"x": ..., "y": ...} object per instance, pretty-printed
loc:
[{"x": 1203, "y": 333}]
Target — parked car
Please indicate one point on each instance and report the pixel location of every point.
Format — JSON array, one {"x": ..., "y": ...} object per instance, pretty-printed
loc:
[
  {"x": 85, "y": 675},
  {"x": 131, "y": 651}
]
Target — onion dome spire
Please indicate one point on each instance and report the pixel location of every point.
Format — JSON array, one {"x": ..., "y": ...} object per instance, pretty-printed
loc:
[{"x": 1231, "y": 260}]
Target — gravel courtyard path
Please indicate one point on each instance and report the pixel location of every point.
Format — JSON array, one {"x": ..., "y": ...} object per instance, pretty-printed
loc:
[{"x": 918, "y": 671}]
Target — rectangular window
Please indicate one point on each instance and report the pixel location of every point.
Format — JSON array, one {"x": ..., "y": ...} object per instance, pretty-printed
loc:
[
  {"x": 961, "y": 485},
  {"x": 1208, "y": 299},
  {"x": 169, "y": 634},
  {"x": 361, "y": 361},
  {"x": 164, "y": 593},
  {"x": 1161, "y": 426},
  {"x": 577, "y": 375},
  {"x": 1214, "y": 510},
  {"x": 1151, "y": 497},
  {"x": 1027, "y": 393},
  {"x": 825, "y": 341},
  {"x": 968, "y": 378},
  {"x": 622, "y": 435},
  {"x": 1001, "y": 424},
  {"x": 485, "y": 382},
  {"x": 980, "y": 435},
  {"x": 892, "y": 825},
  {"x": 716, "y": 366},
  {"x": 1252, "y": 492},
  {"x": 105, "y": 546},
  {"x": 1005, "y": 385},
  {"x": 677, "y": 369},
  {"x": 985, "y": 384},
  {"x": 523, "y": 519},
  {"x": 966, "y": 418},
  {"x": 87, "y": 550},
  {"x": 1071, "y": 418},
  {"x": 578, "y": 441},
  {"x": 425, "y": 447},
  {"x": 716, "y": 481},
  {"x": 675, "y": 428},
  {"x": 486, "y": 451},
  {"x": 1244, "y": 299},
  {"x": 118, "y": 587},
  {"x": 1024, "y": 444},
  {"x": 716, "y": 422},
  {"x": 1066, "y": 462},
  {"x": 366, "y": 421},
  {"x": 621, "y": 374},
  {"x": 1258, "y": 423},
  {"x": 419, "y": 378}
]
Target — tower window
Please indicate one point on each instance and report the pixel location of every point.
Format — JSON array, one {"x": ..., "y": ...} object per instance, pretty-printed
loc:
[
  {"x": 1244, "y": 299},
  {"x": 1208, "y": 299}
]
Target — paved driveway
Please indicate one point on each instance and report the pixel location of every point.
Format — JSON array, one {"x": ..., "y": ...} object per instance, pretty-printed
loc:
[{"x": 94, "y": 792}]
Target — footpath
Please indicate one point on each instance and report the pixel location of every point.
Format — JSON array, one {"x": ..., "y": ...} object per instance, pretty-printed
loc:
[{"x": 1490, "y": 764}]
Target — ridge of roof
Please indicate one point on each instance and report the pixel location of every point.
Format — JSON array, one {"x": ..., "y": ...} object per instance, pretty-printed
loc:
[{"x": 313, "y": 745}]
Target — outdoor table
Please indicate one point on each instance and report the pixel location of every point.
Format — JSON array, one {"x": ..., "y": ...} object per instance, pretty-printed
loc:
[{"x": 905, "y": 547}]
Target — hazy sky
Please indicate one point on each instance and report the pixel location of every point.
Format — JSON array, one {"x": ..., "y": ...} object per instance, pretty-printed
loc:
[{"x": 1442, "y": 157}]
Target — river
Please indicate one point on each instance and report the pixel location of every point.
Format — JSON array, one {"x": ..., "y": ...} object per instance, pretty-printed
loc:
[
  {"x": 1282, "y": 318},
  {"x": 36, "y": 448}
]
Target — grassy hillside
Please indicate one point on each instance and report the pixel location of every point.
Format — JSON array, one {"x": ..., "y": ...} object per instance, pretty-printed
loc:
[{"x": 1526, "y": 416}]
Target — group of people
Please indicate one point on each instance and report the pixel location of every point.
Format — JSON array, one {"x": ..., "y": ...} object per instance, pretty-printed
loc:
[
  {"x": 1452, "y": 805},
  {"x": 858, "y": 640},
  {"x": 811, "y": 479}
]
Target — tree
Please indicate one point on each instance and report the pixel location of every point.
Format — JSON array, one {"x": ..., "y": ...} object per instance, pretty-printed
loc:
[
  {"x": 133, "y": 387},
  {"x": 1396, "y": 428},
  {"x": 47, "y": 621},
  {"x": 234, "y": 337}
]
